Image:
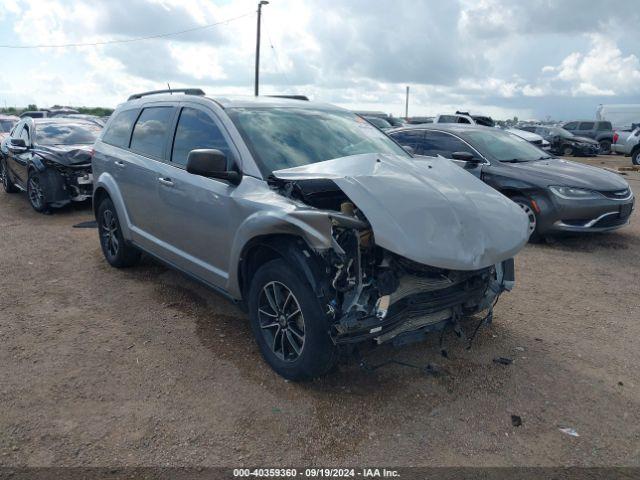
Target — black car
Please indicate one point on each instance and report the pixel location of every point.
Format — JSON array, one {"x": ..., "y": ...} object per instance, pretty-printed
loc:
[
  {"x": 599, "y": 130},
  {"x": 558, "y": 195},
  {"x": 50, "y": 159},
  {"x": 564, "y": 142}
]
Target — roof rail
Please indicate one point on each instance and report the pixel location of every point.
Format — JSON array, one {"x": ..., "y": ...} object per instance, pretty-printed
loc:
[
  {"x": 186, "y": 91},
  {"x": 292, "y": 97}
]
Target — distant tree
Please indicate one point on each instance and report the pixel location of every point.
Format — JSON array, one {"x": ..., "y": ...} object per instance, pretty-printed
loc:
[{"x": 32, "y": 106}]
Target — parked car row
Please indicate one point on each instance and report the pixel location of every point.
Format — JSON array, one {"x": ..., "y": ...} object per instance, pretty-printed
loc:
[{"x": 329, "y": 231}]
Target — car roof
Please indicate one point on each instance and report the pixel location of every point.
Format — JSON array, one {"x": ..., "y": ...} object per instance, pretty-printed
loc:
[
  {"x": 234, "y": 101},
  {"x": 460, "y": 128},
  {"x": 62, "y": 120}
]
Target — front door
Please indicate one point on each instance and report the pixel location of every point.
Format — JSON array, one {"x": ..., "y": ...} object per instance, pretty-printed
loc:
[{"x": 196, "y": 211}]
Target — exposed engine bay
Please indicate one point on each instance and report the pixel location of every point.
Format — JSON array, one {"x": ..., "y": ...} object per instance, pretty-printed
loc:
[{"x": 373, "y": 293}]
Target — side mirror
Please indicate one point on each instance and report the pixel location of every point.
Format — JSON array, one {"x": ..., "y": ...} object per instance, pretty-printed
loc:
[
  {"x": 17, "y": 145},
  {"x": 211, "y": 163},
  {"x": 409, "y": 149},
  {"x": 465, "y": 157}
]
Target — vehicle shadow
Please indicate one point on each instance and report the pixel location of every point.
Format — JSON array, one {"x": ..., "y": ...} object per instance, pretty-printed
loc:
[{"x": 591, "y": 242}]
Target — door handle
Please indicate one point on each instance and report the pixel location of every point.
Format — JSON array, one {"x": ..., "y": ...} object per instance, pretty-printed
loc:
[
  {"x": 119, "y": 164},
  {"x": 166, "y": 182}
]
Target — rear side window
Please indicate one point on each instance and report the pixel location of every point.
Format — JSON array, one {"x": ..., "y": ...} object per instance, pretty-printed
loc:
[
  {"x": 586, "y": 125},
  {"x": 604, "y": 126},
  {"x": 119, "y": 131},
  {"x": 571, "y": 126},
  {"x": 196, "y": 130},
  {"x": 447, "y": 119},
  {"x": 151, "y": 130},
  {"x": 409, "y": 138}
]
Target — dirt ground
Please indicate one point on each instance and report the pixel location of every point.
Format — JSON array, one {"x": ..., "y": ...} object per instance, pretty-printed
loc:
[{"x": 105, "y": 367}]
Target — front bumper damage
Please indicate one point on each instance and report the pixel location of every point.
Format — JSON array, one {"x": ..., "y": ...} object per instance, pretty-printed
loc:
[
  {"x": 384, "y": 297},
  {"x": 67, "y": 183}
]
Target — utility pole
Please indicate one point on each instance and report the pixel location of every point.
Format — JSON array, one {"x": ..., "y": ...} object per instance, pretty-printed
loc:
[
  {"x": 406, "y": 104},
  {"x": 260, "y": 4}
]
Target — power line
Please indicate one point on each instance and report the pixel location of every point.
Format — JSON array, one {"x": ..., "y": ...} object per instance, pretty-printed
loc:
[{"x": 129, "y": 40}]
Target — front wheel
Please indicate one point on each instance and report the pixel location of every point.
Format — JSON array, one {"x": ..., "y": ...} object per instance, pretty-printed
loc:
[
  {"x": 5, "y": 176},
  {"x": 635, "y": 157},
  {"x": 116, "y": 250},
  {"x": 289, "y": 324},
  {"x": 605, "y": 147},
  {"x": 36, "y": 193},
  {"x": 525, "y": 205},
  {"x": 567, "y": 151}
]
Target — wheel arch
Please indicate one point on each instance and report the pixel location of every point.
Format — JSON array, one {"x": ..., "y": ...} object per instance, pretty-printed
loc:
[
  {"x": 106, "y": 187},
  {"x": 289, "y": 247}
]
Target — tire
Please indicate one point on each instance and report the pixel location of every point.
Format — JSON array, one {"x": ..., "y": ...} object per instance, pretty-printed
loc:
[
  {"x": 605, "y": 147},
  {"x": 635, "y": 157},
  {"x": 296, "y": 346},
  {"x": 567, "y": 151},
  {"x": 36, "y": 193},
  {"x": 5, "y": 176},
  {"x": 118, "y": 252},
  {"x": 525, "y": 205}
]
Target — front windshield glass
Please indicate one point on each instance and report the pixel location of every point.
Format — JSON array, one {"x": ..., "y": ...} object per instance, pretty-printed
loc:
[
  {"x": 561, "y": 132},
  {"x": 282, "y": 138},
  {"x": 6, "y": 125},
  {"x": 504, "y": 147},
  {"x": 66, "y": 133}
]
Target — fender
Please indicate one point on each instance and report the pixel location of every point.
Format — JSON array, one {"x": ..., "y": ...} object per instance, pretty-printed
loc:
[
  {"x": 312, "y": 226},
  {"x": 107, "y": 183}
]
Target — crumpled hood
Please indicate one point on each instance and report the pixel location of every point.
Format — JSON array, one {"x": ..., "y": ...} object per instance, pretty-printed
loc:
[
  {"x": 428, "y": 210},
  {"x": 557, "y": 171},
  {"x": 66, "y": 154}
]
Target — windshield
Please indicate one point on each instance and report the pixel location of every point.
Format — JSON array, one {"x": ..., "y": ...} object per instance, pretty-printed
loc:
[
  {"x": 282, "y": 138},
  {"x": 6, "y": 125},
  {"x": 561, "y": 132},
  {"x": 504, "y": 147},
  {"x": 379, "y": 122},
  {"x": 66, "y": 133}
]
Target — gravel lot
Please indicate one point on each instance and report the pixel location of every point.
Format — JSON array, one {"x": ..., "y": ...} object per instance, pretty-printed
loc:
[{"x": 144, "y": 367}]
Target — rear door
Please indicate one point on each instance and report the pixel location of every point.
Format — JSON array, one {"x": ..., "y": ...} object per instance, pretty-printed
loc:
[
  {"x": 585, "y": 129},
  {"x": 196, "y": 210},
  {"x": 137, "y": 173}
]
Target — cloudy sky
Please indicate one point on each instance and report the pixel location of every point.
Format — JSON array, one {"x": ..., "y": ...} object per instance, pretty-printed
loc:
[{"x": 532, "y": 59}]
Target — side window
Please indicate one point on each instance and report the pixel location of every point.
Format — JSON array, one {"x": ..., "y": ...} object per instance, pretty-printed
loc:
[
  {"x": 196, "y": 129},
  {"x": 410, "y": 138},
  {"x": 463, "y": 120},
  {"x": 571, "y": 126},
  {"x": 604, "y": 126},
  {"x": 447, "y": 119},
  {"x": 119, "y": 131},
  {"x": 150, "y": 131},
  {"x": 586, "y": 126},
  {"x": 438, "y": 143}
]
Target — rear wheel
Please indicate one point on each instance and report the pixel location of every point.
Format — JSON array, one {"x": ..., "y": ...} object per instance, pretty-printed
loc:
[
  {"x": 605, "y": 147},
  {"x": 116, "y": 250},
  {"x": 635, "y": 157},
  {"x": 36, "y": 193},
  {"x": 289, "y": 323},
  {"x": 5, "y": 176}
]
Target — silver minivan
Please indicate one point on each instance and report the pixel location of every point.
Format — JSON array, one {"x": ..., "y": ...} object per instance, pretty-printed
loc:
[{"x": 325, "y": 229}]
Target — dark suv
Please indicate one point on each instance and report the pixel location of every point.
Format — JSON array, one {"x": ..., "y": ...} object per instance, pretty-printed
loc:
[{"x": 601, "y": 131}]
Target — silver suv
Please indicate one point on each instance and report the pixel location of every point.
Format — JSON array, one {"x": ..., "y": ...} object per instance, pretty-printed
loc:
[{"x": 327, "y": 231}]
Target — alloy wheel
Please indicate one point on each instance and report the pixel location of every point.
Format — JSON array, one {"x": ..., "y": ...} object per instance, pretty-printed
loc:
[
  {"x": 36, "y": 195},
  {"x": 281, "y": 321},
  {"x": 109, "y": 230},
  {"x": 530, "y": 215}
]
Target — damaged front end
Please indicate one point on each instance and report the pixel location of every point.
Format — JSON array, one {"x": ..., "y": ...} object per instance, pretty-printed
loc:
[
  {"x": 373, "y": 293},
  {"x": 66, "y": 175}
]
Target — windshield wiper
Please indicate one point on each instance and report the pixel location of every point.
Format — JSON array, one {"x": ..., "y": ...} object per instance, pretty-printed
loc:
[{"x": 514, "y": 160}]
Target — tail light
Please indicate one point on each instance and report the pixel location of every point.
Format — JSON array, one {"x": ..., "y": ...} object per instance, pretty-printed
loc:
[{"x": 615, "y": 138}]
